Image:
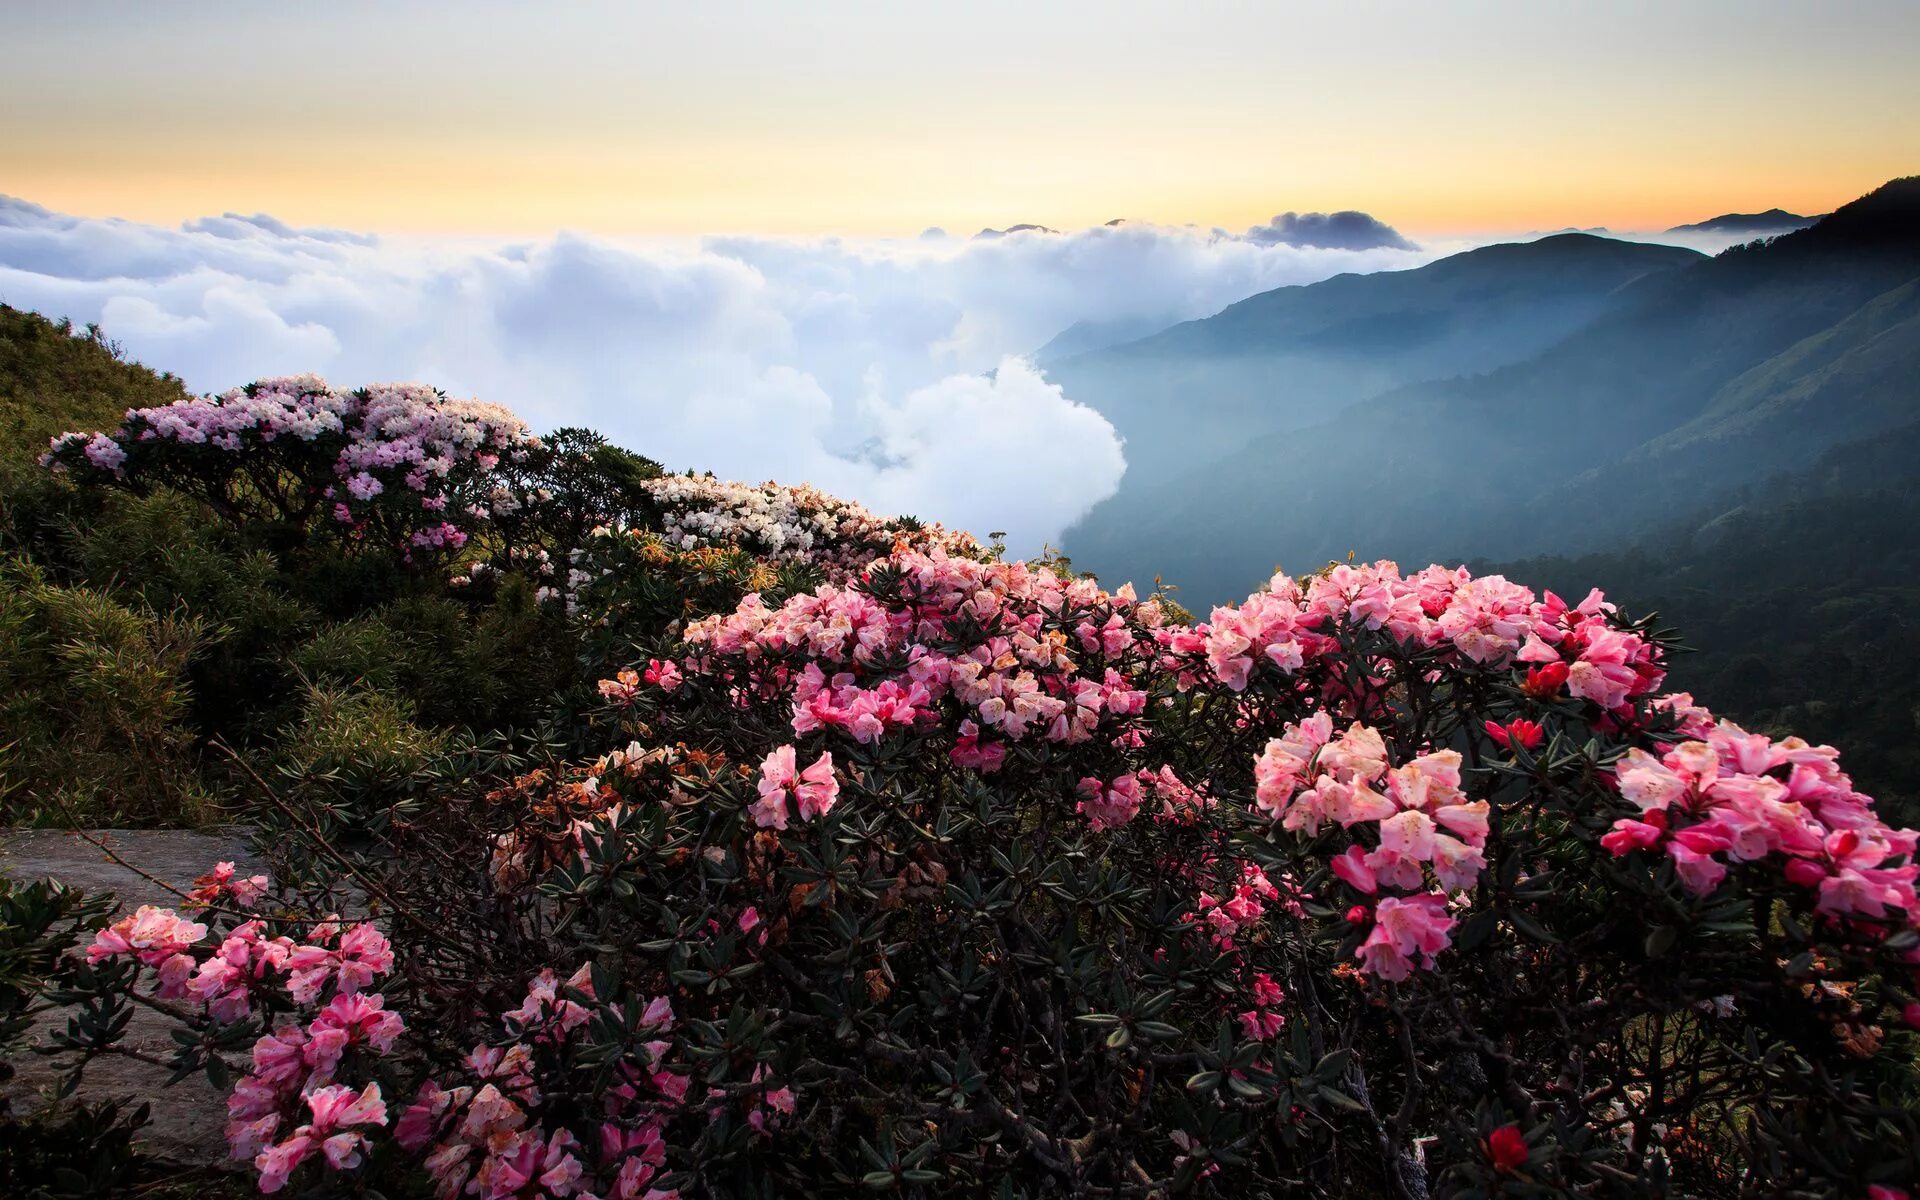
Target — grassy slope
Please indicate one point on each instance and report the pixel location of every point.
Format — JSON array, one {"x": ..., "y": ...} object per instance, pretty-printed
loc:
[{"x": 54, "y": 379}]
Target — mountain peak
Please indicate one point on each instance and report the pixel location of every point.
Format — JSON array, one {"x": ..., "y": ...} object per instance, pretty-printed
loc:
[
  {"x": 1774, "y": 220},
  {"x": 1576, "y": 247},
  {"x": 990, "y": 233}
]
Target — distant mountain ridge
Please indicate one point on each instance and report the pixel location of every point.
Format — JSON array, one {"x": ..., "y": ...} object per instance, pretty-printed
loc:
[
  {"x": 1774, "y": 220},
  {"x": 1683, "y": 384},
  {"x": 1086, "y": 337},
  {"x": 1288, "y": 358}
]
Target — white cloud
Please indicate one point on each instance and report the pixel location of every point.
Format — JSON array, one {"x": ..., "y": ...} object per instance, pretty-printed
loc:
[{"x": 881, "y": 370}]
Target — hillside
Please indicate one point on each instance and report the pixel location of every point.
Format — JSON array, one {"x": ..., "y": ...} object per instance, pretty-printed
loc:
[
  {"x": 1288, "y": 358},
  {"x": 52, "y": 381},
  {"x": 135, "y": 629},
  {"x": 1695, "y": 382},
  {"x": 1088, "y": 337}
]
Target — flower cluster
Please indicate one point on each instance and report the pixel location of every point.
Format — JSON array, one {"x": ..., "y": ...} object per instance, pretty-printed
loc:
[
  {"x": 483, "y": 1137},
  {"x": 1418, "y": 818},
  {"x": 294, "y": 1069},
  {"x": 295, "y": 1065},
  {"x": 225, "y": 886},
  {"x": 1487, "y": 621},
  {"x": 1729, "y": 796},
  {"x": 1017, "y": 653},
  {"x": 153, "y": 937},
  {"x": 399, "y": 456},
  {"x": 810, "y": 793},
  {"x": 776, "y": 521},
  {"x": 309, "y": 1095}
]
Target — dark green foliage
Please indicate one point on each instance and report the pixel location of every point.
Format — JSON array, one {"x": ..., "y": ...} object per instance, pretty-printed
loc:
[
  {"x": 573, "y": 481},
  {"x": 53, "y": 379},
  {"x": 84, "y": 1153},
  {"x": 1800, "y": 609},
  {"x": 40, "y": 923},
  {"x": 95, "y": 707}
]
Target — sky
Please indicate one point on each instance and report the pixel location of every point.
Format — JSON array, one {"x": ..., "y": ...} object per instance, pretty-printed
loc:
[
  {"x": 880, "y": 119},
  {"x": 709, "y": 230}
]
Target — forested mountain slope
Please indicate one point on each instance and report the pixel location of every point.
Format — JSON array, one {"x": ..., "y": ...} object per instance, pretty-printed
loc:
[
  {"x": 1289, "y": 358},
  {"x": 1699, "y": 381}
]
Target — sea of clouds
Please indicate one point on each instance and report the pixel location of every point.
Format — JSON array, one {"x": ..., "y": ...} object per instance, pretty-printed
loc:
[{"x": 888, "y": 371}]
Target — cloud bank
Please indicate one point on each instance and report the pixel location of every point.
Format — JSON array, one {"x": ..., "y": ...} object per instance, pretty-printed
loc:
[{"x": 888, "y": 371}]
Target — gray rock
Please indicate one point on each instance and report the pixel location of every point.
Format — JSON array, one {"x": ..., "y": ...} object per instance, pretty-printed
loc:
[{"x": 189, "y": 1118}]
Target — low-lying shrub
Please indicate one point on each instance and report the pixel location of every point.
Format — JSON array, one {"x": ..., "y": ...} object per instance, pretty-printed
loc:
[
  {"x": 94, "y": 701},
  {"x": 962, "y": 878}
]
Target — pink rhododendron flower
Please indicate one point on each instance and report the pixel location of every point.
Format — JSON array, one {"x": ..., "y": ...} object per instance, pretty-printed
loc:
[
  {"x": 361, "y": 955},
  {"x": 1407, "y": 931},
  {"x": 1507, "y": 1149},
  {"x": 348, "y": 1021},
  {"x": 549, "y": 1013},
  {"x": 223, "y": 885},
  {"x": 1109, "y": 805},
  {"x": 1352, "y": 869},
  {"x": 663, "y": 675},
  {"x": 1260, "y": 1024},
  {"x": 1521, "y": 732},
  {"x": 156, "y": 937},
  {"x": 245, "y": 961},
  {"x": 1721, "y": 799},
  {"x": 812, "y": 791},
  {"x": 969, "y": 750},
  {"x": 331, "y": 1133},
  {"x": 1545, "y": 682}
]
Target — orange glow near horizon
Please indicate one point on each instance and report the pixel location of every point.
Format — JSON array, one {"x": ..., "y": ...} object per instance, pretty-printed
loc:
[
  {"x": 491, "y": 197},
  {"x": 863, "y": 119}
]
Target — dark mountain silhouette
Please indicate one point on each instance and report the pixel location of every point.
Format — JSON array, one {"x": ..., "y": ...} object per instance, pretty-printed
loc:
[
  {"x": 1689, "y": 384},
  {"x": 1774, "y": 220}
]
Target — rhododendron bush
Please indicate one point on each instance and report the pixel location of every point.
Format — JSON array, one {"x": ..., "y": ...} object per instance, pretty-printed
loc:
[
  {"x": 703, "y": 545},
  {"x": 397, "y": 464},
  {"x": 891, "y": 867},
  {"x": 963, "y": 877}
]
